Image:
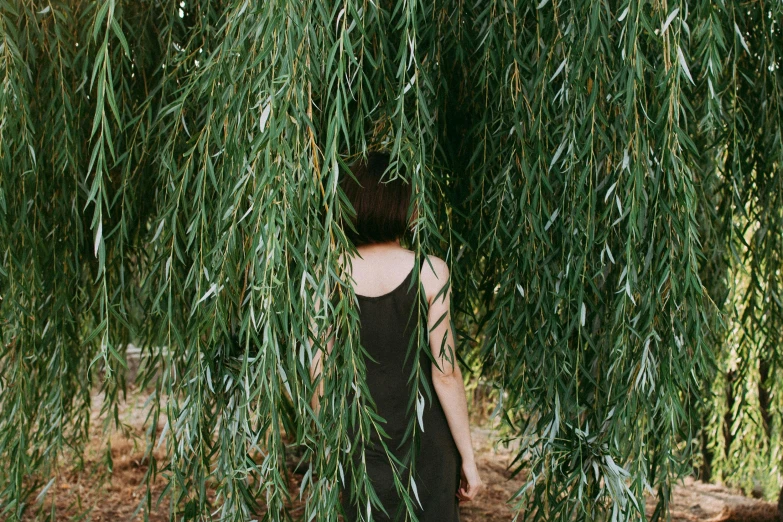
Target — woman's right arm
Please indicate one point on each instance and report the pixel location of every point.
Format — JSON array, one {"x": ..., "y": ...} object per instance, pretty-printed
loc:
[{"x": 448, "y": 383}]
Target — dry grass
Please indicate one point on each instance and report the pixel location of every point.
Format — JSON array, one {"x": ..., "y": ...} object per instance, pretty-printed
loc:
[{"x": 87, "y": 491}]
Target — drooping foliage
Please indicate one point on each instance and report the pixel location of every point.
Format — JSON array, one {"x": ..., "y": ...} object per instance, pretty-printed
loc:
[{"x": 603, "y": 179}]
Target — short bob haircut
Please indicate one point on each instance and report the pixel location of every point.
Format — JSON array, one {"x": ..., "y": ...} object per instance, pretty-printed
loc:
[{"x": 381, "y": 206}]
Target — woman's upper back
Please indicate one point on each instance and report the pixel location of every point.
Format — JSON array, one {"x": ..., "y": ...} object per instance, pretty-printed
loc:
[{"x": 381, "y": 270}]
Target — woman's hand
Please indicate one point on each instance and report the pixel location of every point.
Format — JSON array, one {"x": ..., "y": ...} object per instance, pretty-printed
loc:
[{"x": 470, "y": 484}]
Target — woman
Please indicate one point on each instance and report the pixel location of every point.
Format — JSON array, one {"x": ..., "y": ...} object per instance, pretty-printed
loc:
[{"x": 382, "y": 274}]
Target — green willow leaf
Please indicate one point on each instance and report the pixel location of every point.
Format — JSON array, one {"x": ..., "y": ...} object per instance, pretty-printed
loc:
[{"x": 602, "y": 179}]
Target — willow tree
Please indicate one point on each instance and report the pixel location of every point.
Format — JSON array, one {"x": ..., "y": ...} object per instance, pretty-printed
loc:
[{"x": 603, "y": 178}]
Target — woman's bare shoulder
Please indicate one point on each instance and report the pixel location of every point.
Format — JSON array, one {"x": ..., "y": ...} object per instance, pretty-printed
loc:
[
  {"x": 435, "y": 265},
  {"x": 434, "y": 275}
]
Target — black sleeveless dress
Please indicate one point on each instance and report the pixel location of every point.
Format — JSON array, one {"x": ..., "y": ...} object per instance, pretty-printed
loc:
[{"x": 385, "y": 333}]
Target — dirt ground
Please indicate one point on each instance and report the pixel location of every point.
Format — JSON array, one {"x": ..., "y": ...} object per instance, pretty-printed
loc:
[
  {"x": 87, "y": 492},
  {"x": 697, "y": 501}
]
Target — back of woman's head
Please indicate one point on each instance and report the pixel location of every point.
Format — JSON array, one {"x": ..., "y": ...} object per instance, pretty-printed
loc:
[{"x": 381, "y": 204}]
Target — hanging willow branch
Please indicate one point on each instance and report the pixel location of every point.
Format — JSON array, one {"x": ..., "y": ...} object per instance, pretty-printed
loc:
[{"x": 602, "y": 178}]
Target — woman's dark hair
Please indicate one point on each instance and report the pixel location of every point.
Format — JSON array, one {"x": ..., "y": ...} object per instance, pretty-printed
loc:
[{"x": 381, "y": 206}]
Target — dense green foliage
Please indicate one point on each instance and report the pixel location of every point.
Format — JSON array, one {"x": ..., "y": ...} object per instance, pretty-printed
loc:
[{"x": 603, "y": 179}]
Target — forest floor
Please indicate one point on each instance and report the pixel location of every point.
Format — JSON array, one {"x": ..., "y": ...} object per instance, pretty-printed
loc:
[{"x": 86, "y": 491}]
